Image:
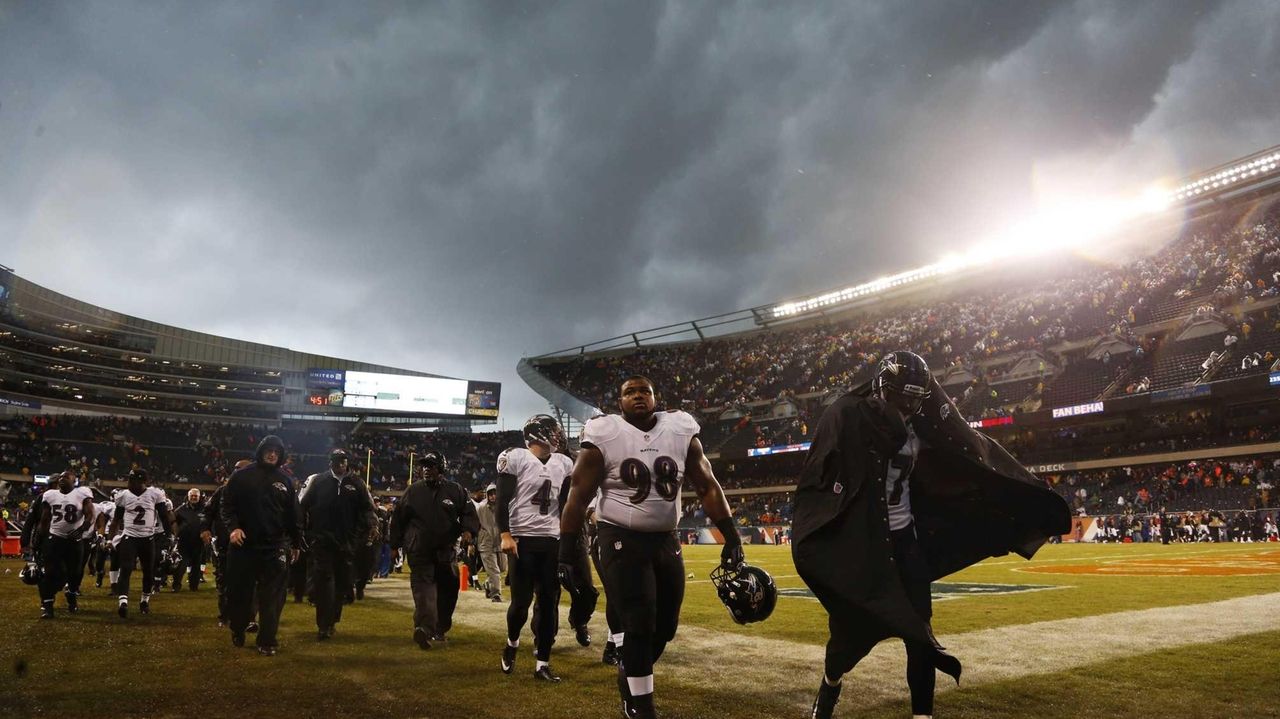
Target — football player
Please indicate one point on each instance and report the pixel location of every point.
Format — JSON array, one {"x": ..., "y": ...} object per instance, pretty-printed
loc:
[
  {"x": 65, "y": 518},
  {"x": 637, "y": 461},
  {"x": 532, "y": 481},
  {"x": 135, "y": 518},
  {"x": 104, "y": 512}
]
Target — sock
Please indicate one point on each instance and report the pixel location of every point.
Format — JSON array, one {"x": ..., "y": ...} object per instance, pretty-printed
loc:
[
  {"x": 542, "y": 664},
  {"x": 146, "y": 598},
  {"x": 46, "y": 602},
  {"x": 617, "y": 639},
  {"x": 640, "y": 686},
  {"x": 830, "y": 683},
  {"x": 115, "y": 575},
  {"x": 124, "y": 598},
  {"x": 515, "y": 643}
]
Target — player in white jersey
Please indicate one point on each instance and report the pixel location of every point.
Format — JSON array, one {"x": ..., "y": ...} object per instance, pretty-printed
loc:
[
  {"x": 532, "y": 481},
  {"x": 137, "y": 509},
  {"x": 637, "y": 461},
  {"x": 104, "y": 512},
  {"x": 66, "y": 515}
]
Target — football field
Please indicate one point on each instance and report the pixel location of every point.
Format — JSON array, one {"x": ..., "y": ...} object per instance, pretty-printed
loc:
[{"x": 1114, "y": 630}]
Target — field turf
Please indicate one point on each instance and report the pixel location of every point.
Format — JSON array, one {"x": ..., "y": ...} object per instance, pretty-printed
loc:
[{"x": 1124, "y": 637}]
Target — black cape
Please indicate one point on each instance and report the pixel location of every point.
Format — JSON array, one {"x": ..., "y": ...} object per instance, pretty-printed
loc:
[{"x": 970, "y": 498}]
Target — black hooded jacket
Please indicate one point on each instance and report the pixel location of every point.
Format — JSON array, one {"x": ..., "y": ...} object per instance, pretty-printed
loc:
[
  {"x": 260, "y": 499},
  {"x": 338, "y": 513},
  {"x": 970, "y": 499}
]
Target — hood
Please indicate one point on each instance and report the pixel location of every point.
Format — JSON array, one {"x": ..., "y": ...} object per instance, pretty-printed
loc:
[{"x": 270, "y": 441}]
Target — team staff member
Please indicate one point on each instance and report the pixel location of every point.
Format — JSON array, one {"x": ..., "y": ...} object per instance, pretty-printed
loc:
[
  {"x": 428, "y": 520},
  {"x": 337, "y": 513},
  {"x": 260, "y": 510},
  {"x": 638, "y": 461},
  {"x": 489, "y": 544},
  {"x": 190, "y": 544},
  {"x": 898, "y": 491},
  {"x": 66, "y": 515}
]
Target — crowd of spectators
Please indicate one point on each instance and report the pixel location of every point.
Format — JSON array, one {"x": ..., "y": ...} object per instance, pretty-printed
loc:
[
  {"x": 1215, "y": 260},
  {"x": 177, "y": 451},
  {"x": 1243, "y": 483}
]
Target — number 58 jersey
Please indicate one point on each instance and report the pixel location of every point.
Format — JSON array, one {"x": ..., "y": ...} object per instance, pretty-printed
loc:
[{"x": 643, "y": 470}]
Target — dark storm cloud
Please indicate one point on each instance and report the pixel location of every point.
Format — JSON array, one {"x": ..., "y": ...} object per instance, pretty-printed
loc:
[{"x": 450, "y": 187}]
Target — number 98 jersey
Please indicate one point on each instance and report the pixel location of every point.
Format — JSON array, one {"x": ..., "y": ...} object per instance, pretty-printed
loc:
[{"x": 643, "y": 470}]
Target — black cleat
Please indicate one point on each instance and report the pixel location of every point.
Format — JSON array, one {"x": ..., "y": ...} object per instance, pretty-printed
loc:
[
  {"x": 73, "y": 605},
  {"x": 583, "y": 634},
  {"x": 46, "y": 611},
  {"x": 144, "y": 607},
  {"x": 123, "y": 610},
  {"x": 509, "y": 658},
  {"x": 323, "y": 635},
  {"x": 237, "y": 639},
  {"x": 267, "y": 651},
  {"x": 545, "y": 674},
  {"x": 98, "y": 583},
  {"x": 422, "y": 638},
  {"x": 359, "y": 592},
  {"x": 610, "y": 655},
  {"x": 252, "y": 628},
  {"x": 177, "y": 586},
  {"x": 825, "y": 703}
]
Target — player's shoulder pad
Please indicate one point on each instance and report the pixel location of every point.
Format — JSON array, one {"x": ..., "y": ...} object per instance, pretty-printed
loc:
[
  {"x": 682, "y": 422},
  {"x": 509, "y": 460},
  {"x": 601, "y": 428}
]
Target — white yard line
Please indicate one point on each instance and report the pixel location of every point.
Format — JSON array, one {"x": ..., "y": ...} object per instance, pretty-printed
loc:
[{"x": 792, "y": 669}]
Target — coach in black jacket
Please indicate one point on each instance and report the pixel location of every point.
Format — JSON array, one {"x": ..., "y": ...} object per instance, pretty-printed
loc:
[
  {"x": 260, "y": 511},
  {"x": 427, "y": 523},
  {"x": 968, "y": 497},
  {"x": 337, "y": 512}
]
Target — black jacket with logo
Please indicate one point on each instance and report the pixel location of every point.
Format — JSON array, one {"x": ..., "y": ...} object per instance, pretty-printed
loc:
[
  {"x": 260, "y": 500},
  {"x": 337, "y": 513},
  {"x": 429, "y": 519}
]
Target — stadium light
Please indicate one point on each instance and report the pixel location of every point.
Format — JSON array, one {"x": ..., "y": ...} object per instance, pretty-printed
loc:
[{"x": 1062, "y": 228}]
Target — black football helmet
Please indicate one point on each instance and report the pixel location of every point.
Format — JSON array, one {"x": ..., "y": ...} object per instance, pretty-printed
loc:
[
  {"x": 31, "y": 574},
  {"x": 748, "y": 592},
  {"x": 437, "y": 460},
  {"x": 902, "y": 372},
  {"x": 545, "y": 429}
]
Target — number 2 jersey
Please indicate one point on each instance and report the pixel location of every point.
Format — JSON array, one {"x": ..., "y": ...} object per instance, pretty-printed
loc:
[
  {"x": 141, "y": 511},
  {"x": 534, "y": 510},
  {"x": 643, "y": 470},
  {"x": 67, "y": 510}
]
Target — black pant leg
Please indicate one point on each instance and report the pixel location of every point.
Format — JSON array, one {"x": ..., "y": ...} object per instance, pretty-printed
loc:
[
  {"x": 668, "y": 572},
  {"x": 610, "y": 608},
  {"x": 298, "y": 576},
  {"x": 447, "y": 588},
  {"x": 126, "y": 555},
  {"x": 51, "y": 560},
  {"x": 241, "y": 576},
  {"x": 272, "y": 585},
  {"x": 913, "y": 571},
  {"x": 325, "y": 586},
  {"x": 629, "y": 580},
  {"x": 341, "y": 584},
  {"x": 148, "y": 553},
  {"x": 547, "y": 590},
  {"x": 522, "y": 576},
  {"x": 422, "y": 583}
]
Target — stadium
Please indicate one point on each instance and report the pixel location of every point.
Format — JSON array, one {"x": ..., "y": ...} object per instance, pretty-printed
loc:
[
  {"x": 323, "y": 388},
  {"x": 1143, "y": 392}
]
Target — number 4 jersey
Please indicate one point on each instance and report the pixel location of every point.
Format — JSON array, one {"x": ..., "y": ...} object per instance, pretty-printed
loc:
[
  {"x": 67, "y": 510},
  {"x": 643, "y": 470},
  {"x": 535, "y": 509}
]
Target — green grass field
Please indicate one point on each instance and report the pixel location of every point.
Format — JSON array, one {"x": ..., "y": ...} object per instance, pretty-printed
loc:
[{"x": 1037, "y": 638}]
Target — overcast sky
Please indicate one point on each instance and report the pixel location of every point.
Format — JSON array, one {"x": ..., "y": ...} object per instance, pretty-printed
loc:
[{"x": 450, "y": 186}]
